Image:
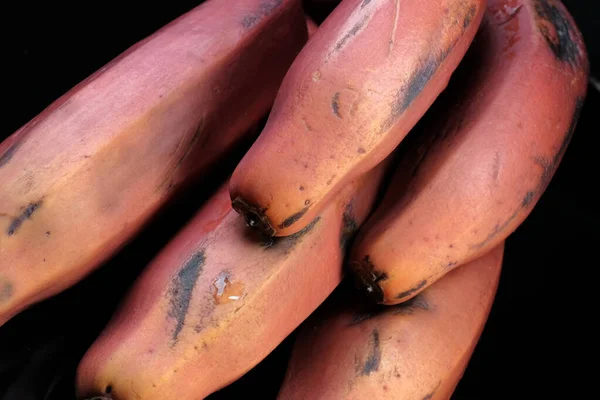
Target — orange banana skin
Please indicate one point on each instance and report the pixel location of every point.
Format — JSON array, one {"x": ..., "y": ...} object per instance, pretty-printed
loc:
[
  {"x": 492, "y": 154},
  {"x": 84, "y": 176},
  {"x": 361, "y": 83},
  {"x": 216, "y": 301},
  {"x": 415, "y": 350}
]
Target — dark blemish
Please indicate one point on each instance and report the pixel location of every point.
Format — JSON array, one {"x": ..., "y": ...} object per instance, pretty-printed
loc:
[
  {"x": 451, "y": 246},
  {"x": 255, "y": 216},
  {"x": 430, "y": 395},
  {"x": 415, "y": 289},
  {"x": 408, "y": 307},
  {"x": 361, "y": 150},
  {"x": 6, "y": 291},
  {"x": 364, "y": 3},
  {"x": 561, "y": 42},
  {"x": 355, "y": 29},
  {"x": 306, "y": 202},
  {"x": 301, "y": 188},
  {"x": 409, "y": 92},
  {"x": 548, "y": 168},
  {"x": 469, "y": 17},
  {"x": 528, "y": 199},
  {"x": 288, "y": 242},
  {"x": 452, "y": 264},
  {"x": 293, "y": 219},
  {"x": 497, "y": 229},
  {"x": 305, "y": 166},
  {"x": 9, "y": 153},
  {"x": 108, "y": 389},
  {"x": 335, "y": 104},
  {"x": 25, "y": 215},
  {"x": 418, "y": 82},
  {"x": 44, "y": 260},
  {"x": 512, "y": 16},
  {"x": 47, "y": 233},
  {"x": 181, "y": 290},
  {"x": 374, "y": 357},
  {"x": 266, "y": 8},
  {"x": 349, "y": 226}
]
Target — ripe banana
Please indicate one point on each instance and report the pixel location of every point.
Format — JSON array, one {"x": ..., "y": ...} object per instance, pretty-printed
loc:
[
  {"x": 491, "y": 146},
  {"x": 366, "y": 77},
  {"x": 415, "y": 350},
  {"x": 86, "y": 174}
]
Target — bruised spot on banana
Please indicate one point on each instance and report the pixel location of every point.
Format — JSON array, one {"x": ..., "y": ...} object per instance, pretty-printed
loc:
[{"x": 558, "y": 32}]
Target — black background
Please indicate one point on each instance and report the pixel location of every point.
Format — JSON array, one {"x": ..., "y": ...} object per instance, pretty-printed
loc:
[{"x": 538, "y": 340}]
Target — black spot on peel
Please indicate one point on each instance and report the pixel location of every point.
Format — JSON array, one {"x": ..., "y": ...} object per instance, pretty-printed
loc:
[
  {"x": 496, "y": 231},
  {"x": 293, "y": 218},
  {"x": 528, "y": 199},
  {"x": 374, "y": 356},
  {"x": 182, "y": 287},
  {"x": 288, "y": 242},
  {"x": 413, "y": 290},
  {"x": 335, "y": 105},
  {"x": 418, "y": 82},
  {"x": 351, "y": 33},
  {"x": 265, "y": 9},
  {"x": 25, "y": 215},
  {"x": 364, "y": 3},
  {"x": 370, "y": 311},
  {"x": 561, "y": 41},
  {"x": 8, "y": 154},
  {"x": 409, "y": 93},
  {"x": 469, "y": 17},
  {"x": 6, "y": 291},
  {"x": 430, "y": 395}
]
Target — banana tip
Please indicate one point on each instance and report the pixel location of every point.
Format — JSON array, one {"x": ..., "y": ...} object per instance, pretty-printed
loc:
[
  {"x": 255, "y": 216},
  {"x": 367, "y": 280}
]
